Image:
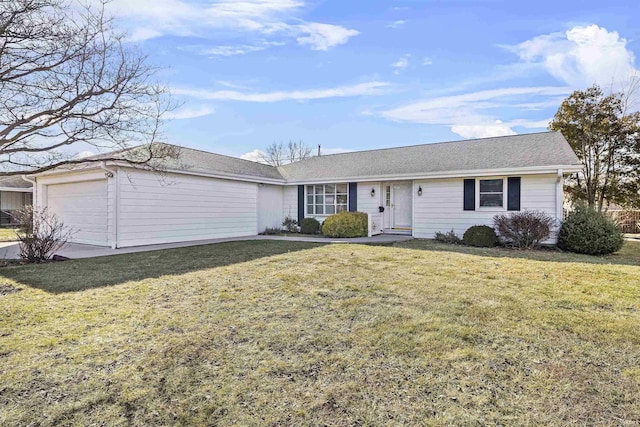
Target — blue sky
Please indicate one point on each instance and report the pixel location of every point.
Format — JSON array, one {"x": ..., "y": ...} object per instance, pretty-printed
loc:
[{"x": 353, "y": 75}]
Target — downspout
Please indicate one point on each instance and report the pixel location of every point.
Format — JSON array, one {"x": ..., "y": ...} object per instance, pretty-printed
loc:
[
  {"x": 559, "y": 196},
  {"x": 110, "y": 173}
]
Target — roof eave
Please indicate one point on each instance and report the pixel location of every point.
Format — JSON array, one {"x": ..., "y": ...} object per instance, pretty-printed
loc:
[{"x": 532, "y": 170}]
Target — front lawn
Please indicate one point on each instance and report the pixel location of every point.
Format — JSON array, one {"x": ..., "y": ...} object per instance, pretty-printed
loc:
[
  {"x": 8, "y": 235},
  {"x": 294, "y": 333}
]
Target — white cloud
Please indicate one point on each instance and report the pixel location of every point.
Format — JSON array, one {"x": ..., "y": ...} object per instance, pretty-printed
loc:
[
  {"x": 189, "y": 113},
  {"x": 401, "y": 64},
  {"x": 427, "y": 61},
  {"x": 483, "y": 131},
  {"x": 396, "y": 24},
  {"x": 324, "y": 36},
  {"x": 581, "y": 56},
  {"x": 231, "y": 50},
  {"x": 361, "y": 89},
  {"x": 255, "y": 156},
  {"x": 474, "y": 114},
  {"x": 147, "y": 19}
]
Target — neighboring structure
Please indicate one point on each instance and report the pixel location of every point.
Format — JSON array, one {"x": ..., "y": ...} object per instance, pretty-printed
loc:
[
  {"x": 15, "y": 193},
  {"x": 420, "y": 189}
]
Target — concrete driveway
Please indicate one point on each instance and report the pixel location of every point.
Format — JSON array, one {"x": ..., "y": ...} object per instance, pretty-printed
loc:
[{"x": 9, "y": 250}]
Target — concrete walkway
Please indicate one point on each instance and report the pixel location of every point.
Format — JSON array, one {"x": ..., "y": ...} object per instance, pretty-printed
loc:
[{"x": 9, "y": 250}]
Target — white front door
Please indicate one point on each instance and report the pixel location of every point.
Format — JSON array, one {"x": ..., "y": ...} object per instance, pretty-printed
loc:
[
  {"x": 397, "y": 202},
  {"x": 401, "y": 204}
]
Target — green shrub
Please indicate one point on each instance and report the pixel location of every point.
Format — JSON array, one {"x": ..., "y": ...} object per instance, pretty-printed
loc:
[
  {"x": 346, "y": 224},
  {"x": 481, "y": 236},
  {"x": 309, "y": 226},
  {"x": 449, "y": 237},
  {"x": 586, "y": 231}
]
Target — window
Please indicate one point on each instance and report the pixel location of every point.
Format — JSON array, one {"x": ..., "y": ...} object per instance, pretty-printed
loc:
[
  {"x": 326, "y": 199},
  {"x": 491, "y": 193},
  {"x": 387, "y": 196}
]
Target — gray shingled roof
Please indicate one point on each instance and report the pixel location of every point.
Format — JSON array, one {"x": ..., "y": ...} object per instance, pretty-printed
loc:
[
  {"x": 518, "y": 151},
  {"x": 14, "y": 182},
  {"x": 203, "y": 161}
]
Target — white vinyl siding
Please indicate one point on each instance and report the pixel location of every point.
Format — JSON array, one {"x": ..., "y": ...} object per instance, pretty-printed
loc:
[
  {"x": 290, "y": 208},
  {"x": 440, "y": 208},
  {"x": 82, "y": 207},
  {"x": 13, "y": 200},
  {"x": 270, "y": 205},
  {"x": 366, "y": 203},
  {"x": 178, "y": 208}
]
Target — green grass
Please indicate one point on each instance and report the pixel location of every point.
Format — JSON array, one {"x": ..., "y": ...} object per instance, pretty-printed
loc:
[
  {"x": 293, "y": 333},
  {"x": 8, "y": 235}
]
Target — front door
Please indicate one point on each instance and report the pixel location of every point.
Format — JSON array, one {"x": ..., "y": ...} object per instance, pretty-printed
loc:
[{"x": 397, "y": 203}]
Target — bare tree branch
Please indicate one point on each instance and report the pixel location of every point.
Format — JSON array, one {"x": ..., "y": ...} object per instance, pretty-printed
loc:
[
  {"x": 279, "y": 153},
  {"x": 69, "y": 82}
]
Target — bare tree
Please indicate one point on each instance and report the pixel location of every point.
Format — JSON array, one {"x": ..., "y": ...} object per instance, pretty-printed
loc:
[
  {"x": 70, "y": 82},
  {"x": 279, "y": 153},
  {"x": 40, "y": 233}
]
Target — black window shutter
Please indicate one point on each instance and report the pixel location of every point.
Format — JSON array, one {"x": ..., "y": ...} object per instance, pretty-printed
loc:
[
  {"x": 353, "y": 196},
  {"x": 513, "y": 193},
  {"x": 470, "y": 194},
  {"x": 300, "y": 203}
]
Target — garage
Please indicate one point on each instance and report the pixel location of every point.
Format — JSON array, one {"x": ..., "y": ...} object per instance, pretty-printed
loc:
[{"x": 82, "y": 207}]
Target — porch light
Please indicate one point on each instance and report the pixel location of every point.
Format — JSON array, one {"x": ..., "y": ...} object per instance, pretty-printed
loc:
[
  {"x": 373, "y": 192},
  {"x": 419, "y": 190}
]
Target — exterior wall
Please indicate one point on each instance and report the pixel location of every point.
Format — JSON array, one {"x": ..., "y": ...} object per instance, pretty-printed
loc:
[
  {"x": 290, "y": 208},
  {"x": 270, "y": 207},
  {"x": 12, "y": 200},
  {"x": 440, "y": 208},
  {"x": 178, "y": 208},
  {"x": 366, "y": 203}
]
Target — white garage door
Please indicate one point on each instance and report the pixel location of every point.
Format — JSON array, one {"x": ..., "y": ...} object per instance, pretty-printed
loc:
[{"x": 83, "y": 207}]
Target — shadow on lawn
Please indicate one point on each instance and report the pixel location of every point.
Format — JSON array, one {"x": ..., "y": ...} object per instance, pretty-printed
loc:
[
  {"x": 81, "y": 274},
  {"x": 628, "y": 255}
]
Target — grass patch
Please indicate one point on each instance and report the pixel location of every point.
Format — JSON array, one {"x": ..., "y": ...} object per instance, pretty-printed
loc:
[
  {"x": 294, "y": 333},
  {"x": 8, "y": 235}
]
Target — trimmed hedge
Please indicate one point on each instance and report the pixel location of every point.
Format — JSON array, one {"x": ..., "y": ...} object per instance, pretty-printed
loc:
[
  {"x": 480, "y": 236},
  {"x": 587, "y": 231},
  {"x": 346, "y": 224},
  {"x": 309, "y": 226}
]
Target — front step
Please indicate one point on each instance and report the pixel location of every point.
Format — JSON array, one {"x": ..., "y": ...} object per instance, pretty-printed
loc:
[{"x": 397, "y": 231}]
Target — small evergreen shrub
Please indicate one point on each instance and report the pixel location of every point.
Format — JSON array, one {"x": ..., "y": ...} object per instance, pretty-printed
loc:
[
  {"x": 587, "y": 231},
  {"x": 309, "y": 226},
  {"x": 270, "y": 231},
  {"x": 524, "y": 229},
  {"x": 449, "y": 237},
  {"x": 346, "y": 224},
  {"x": 290, "y": 224},
  {"x": 481, "y": 236}
]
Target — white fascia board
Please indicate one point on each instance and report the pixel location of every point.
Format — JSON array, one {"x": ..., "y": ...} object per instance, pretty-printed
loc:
[
  {"x": 17, "y": 189},
  {"x": 535, "y": 170},
  {"x": 233, "y": 177}
]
